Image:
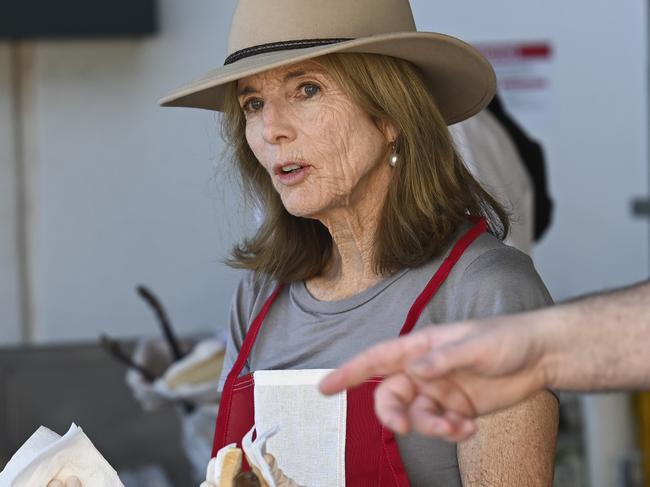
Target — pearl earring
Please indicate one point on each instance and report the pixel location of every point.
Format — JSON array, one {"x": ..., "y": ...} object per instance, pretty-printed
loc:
[{"x": 394, "y": 155}]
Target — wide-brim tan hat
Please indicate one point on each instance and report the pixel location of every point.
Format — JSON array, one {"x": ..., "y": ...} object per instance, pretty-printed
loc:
[{"x": 267, "y": 34}]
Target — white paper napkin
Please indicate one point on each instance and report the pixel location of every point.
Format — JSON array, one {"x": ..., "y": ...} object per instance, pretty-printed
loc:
[
  {"x": 310, "y": 444},
  {"x": 46, "y": 456}
]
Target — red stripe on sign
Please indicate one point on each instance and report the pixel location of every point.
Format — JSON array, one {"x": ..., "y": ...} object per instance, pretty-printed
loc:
[
  {"x": 535, "y": 50},
  {"x": 515, "y": 51}
]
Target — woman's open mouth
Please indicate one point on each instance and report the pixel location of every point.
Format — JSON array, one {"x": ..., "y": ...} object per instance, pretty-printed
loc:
[{"x": 292, "y": 173}]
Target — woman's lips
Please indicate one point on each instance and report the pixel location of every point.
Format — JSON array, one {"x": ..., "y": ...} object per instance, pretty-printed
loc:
[
  {"x": 291, "y": 173},
  {"x": 294, "y": 177}
]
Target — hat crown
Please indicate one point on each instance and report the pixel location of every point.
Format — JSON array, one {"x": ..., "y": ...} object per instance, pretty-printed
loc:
[{"x": 258, "y": 22}]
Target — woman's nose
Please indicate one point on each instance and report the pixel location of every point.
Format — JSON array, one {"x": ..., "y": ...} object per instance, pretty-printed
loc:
[{"x": 278, "y": 123}]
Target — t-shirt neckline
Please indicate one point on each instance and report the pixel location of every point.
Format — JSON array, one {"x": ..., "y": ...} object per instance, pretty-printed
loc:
[{"x": 307, "y": 301}]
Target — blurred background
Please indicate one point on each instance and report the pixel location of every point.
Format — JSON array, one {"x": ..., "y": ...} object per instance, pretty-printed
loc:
[{"x": 101, "y": 190}]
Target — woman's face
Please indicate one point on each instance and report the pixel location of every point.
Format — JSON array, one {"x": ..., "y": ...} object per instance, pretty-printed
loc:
[{"x": 321, "y": 150}]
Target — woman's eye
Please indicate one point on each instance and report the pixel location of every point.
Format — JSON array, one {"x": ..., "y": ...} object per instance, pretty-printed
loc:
[
  {"x": 253, "y": 105},
  {"x": 310, "y": 90}
]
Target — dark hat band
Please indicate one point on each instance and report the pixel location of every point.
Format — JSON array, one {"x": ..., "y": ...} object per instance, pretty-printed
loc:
[{"x": 281, "y": 46}]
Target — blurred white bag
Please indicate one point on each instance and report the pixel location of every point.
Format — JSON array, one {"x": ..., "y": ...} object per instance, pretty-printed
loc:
[
  {"x": 197, "y": 431},
  {"x": 194, "y": 379}
]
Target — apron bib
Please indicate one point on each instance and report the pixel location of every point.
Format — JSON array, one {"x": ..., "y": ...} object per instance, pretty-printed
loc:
[{"x": 372, "y": 458}]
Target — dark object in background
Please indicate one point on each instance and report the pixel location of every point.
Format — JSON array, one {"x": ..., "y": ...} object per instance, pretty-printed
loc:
[
  {"x": 163, "y": 321},
  {"x": 29, "y": 19},
  {"x": 114, "y": 348},
  {"x": 532, "y": 155}
]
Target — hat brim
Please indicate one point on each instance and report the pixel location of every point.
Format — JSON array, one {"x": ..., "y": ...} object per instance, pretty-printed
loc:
[{"x": 461, "y": 80}]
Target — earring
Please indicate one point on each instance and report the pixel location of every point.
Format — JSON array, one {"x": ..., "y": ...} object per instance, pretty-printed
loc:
[{"x": 394, "y": 155}]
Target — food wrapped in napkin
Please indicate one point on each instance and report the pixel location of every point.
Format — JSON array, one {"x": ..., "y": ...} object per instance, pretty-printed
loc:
[
  {"x": 47, "y": 457},
  {"x": 263, "y": 464},
  {"x": 225, "y": 469}
]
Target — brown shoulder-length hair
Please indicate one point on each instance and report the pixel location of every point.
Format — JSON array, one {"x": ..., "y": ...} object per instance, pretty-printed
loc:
[{"x": 429, "y": 197}]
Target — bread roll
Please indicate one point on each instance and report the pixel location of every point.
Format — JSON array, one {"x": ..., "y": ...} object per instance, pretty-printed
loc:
[{"x": 223, "y": 469}]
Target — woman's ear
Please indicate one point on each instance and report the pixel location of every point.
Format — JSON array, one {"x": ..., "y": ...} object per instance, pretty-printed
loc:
[{"x": 387, "y": 127}]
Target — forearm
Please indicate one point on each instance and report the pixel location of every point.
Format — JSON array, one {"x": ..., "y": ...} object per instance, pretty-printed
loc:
[{"x": 598, "y": 343}]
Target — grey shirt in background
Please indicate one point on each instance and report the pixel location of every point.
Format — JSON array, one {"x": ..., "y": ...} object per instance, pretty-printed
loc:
[{"x": 301, "y": 332}]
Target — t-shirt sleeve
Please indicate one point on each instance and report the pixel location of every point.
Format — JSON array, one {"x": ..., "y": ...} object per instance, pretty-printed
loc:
[
  {"x": 239, "y": 318},
  {"x": 500, "y": 281}
]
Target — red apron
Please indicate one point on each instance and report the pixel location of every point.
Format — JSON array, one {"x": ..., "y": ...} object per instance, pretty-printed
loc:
[{"x": 371, "y": 455}]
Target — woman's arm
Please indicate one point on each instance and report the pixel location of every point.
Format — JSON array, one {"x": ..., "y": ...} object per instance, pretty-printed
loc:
[
  {"x": 513, "y": 447},
  {"x": 516, "y": 446}
]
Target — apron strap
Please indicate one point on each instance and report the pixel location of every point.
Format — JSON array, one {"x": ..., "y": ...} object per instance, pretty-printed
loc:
[
  {"x": 244, "y": 352},
  {"x": 251, "y": 334},
  {"x": 441, "y": 274}
]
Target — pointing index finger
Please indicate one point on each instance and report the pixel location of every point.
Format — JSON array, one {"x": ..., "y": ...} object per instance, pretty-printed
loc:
[{"x": 382, "y": 359}]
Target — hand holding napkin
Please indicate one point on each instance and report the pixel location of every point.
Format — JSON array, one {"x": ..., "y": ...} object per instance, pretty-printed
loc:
[{"x": 70, "y": 460}]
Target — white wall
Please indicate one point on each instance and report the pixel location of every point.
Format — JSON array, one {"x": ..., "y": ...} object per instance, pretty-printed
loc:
[
  {"x": 123, "y": 192},
  {"x": 596, "y": 145}
]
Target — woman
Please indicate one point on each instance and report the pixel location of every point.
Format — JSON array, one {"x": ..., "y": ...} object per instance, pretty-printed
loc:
[{"x": 337, "y": 116}]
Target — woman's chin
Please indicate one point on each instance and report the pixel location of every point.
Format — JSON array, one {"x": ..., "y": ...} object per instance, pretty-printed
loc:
[
  {"x": 301, "y": 208},
  {"x": 300, "y": 211}
]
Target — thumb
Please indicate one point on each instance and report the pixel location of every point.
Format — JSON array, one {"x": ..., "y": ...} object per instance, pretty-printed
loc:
[{"x": 73, "y": 482}]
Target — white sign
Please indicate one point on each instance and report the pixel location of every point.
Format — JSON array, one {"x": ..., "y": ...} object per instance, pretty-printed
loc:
[{"x": 523, "y": 72}]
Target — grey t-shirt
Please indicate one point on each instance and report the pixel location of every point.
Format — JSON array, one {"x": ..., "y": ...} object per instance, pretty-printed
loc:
[{"x": 301, "y": 332}]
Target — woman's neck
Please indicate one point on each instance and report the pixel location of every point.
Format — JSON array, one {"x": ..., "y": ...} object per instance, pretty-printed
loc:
[{"x": 351, "y": 268}]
